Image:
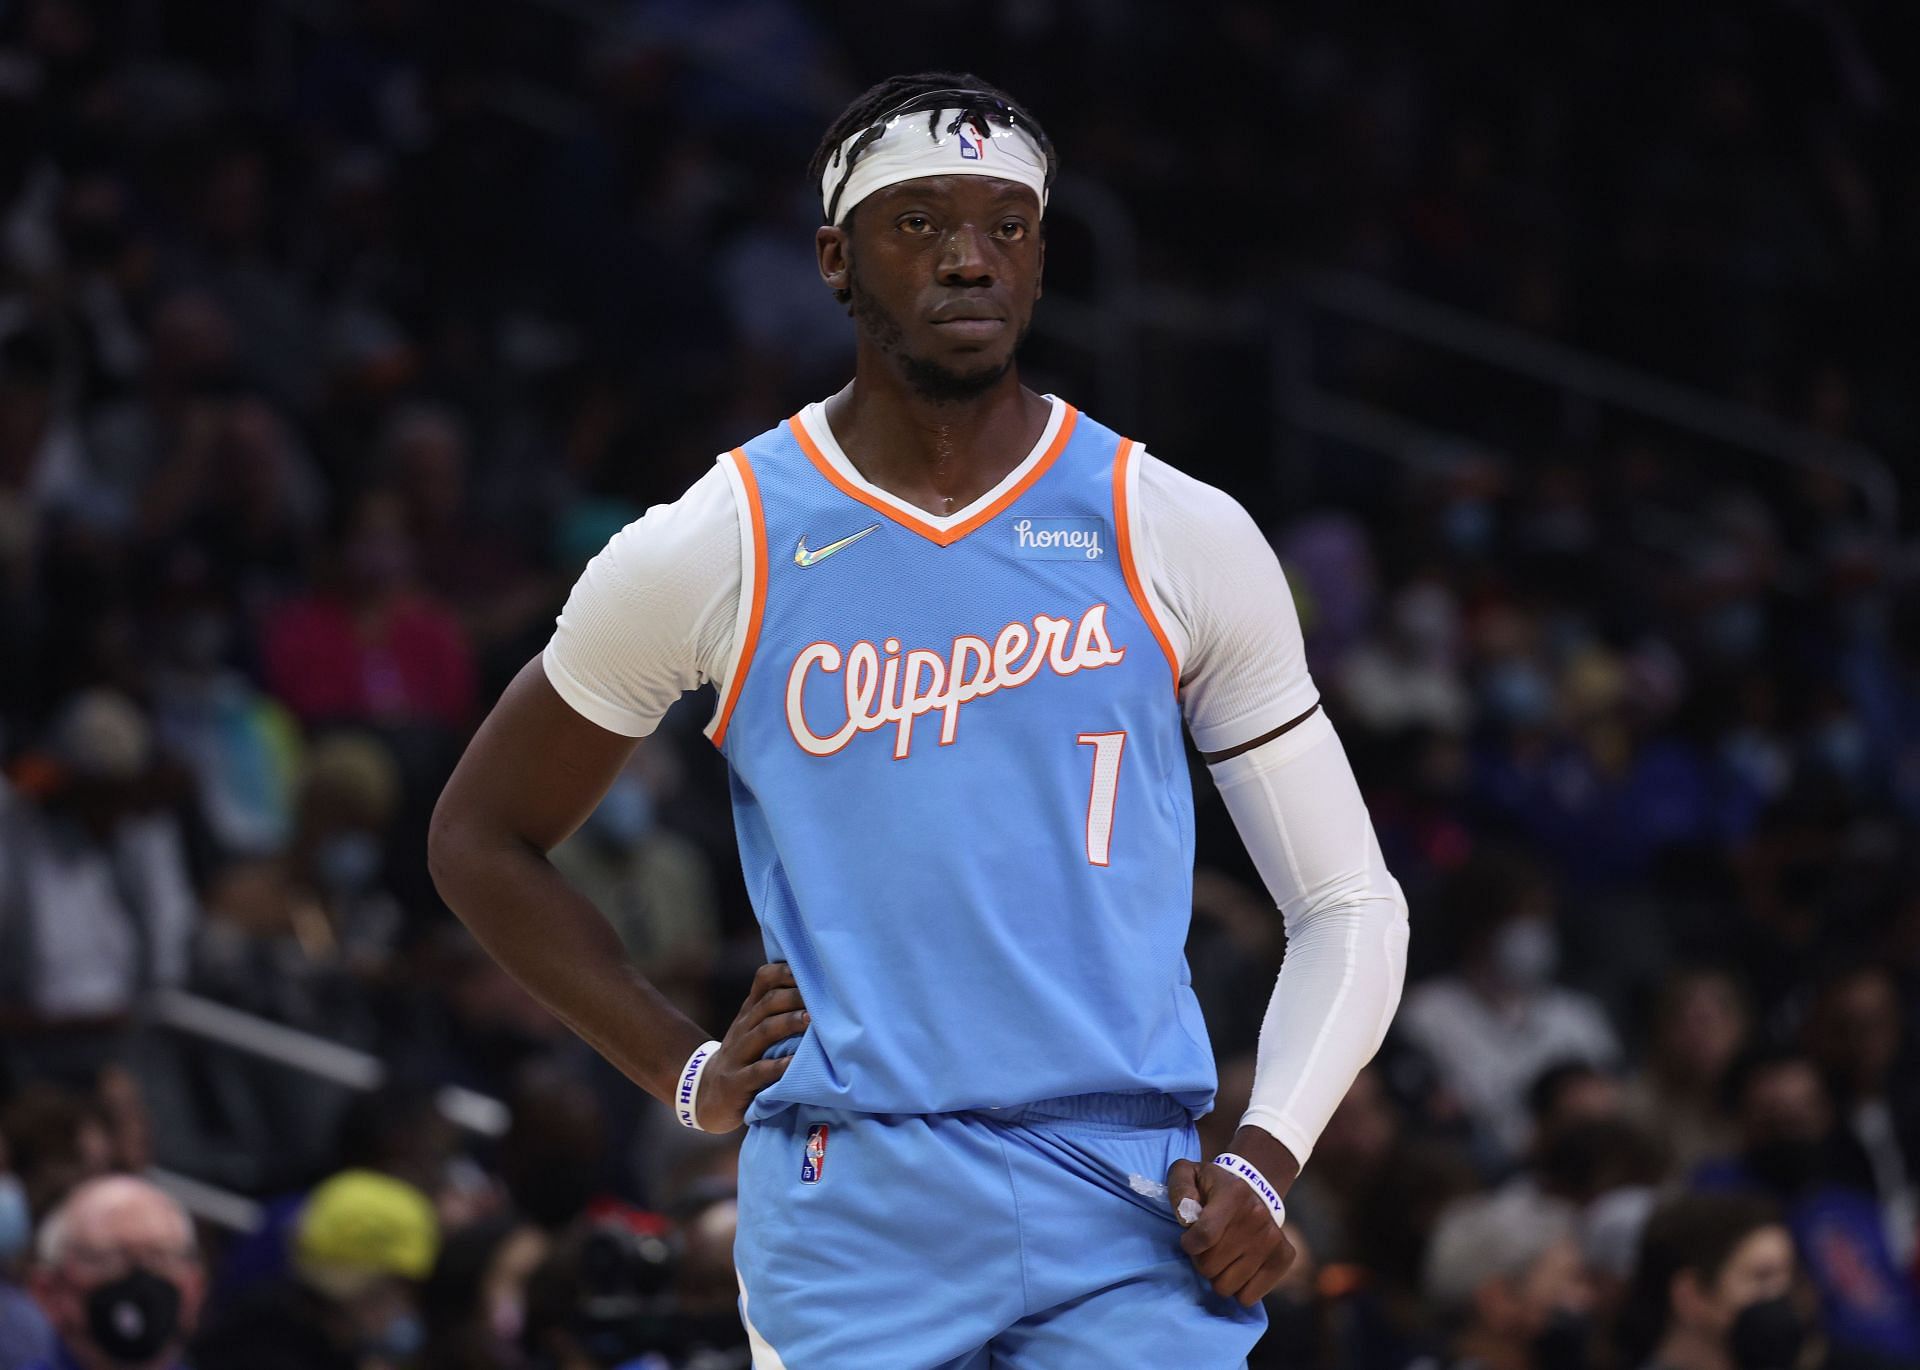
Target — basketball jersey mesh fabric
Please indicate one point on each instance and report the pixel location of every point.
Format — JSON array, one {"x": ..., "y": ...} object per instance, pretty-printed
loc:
[{"x": 933, "y": 880}]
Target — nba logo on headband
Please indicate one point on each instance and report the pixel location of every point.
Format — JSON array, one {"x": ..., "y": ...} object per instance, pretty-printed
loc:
[{"x": 916, "y": 142}]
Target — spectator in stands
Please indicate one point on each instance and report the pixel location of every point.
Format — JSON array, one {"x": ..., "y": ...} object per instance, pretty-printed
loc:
[
  {"x": 242, "y": 745},
  {"x": 705, "y": 1287},
  {"x": 373, "y": 647},
  {"x": 474, "y": 1305},
  {"x": 59, "y": 1139},
  {"x": 1505, "y": 1275},
  {"x": 237, "y": 486},
  {"x": 553, "y": 1154},
  {"x": 305, "y": 935},
  {"x": 189, "y": 365},
  {"x": 478, "y": 570},
  {"x": 96, "y": 901},
  {"x": 492, "y": 1027},
  {"x": 1712, "y": 1289},
  {"x": 1568, "y": 1094},
  {"x": 1584, "y": 1148},
  {"x": 25, "y": 1334},
  {"x": 363, "y": 1244},
  {"x": 602, "y": 1299},
  {"x": 235, "y": 250},
  {"x": 1409, "y": 676},
  {"x": 1790, "y": 1153},
  {"x": 1587, "y": 1152},
  {"x": 1375, "y": 1294},
  {"x": 652, "y": 884},
  {"x": 118, "y": 1277},
  {"x": 1699, "y": 1026},
  {"x": 43, "y": 467},
  {"x": 1499, "y": 1020},
  {"x": 1363, "y": 1136},
  {"x": 1854, "y": 1033}
]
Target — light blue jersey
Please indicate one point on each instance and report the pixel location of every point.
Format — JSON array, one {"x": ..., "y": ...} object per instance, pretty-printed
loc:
[{"x": 961, "y": 790}]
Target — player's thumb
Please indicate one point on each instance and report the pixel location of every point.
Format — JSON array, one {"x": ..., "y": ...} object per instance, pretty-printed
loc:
[{"x": 1183, "y": 1182}]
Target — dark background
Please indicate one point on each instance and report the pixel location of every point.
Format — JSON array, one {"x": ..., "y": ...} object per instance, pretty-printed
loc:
[{"x": 1566, "y": 354}]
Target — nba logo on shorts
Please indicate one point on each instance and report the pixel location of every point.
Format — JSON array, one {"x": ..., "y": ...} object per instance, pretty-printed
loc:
[{"x": 815, "y": 1160}]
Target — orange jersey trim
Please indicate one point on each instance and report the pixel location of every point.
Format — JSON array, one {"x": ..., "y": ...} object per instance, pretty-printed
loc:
[
  {"x": 1123, "y": 539},
  {"x": 944, "y": 537},
  {"x": 751, "y": 638}
]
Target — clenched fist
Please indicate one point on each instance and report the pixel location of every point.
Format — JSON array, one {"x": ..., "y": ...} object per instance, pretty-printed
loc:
[{"x": 1235, "y": 1242}]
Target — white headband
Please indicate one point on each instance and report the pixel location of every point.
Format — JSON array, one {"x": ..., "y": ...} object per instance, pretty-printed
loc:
[{"x": 906, "y": 151}]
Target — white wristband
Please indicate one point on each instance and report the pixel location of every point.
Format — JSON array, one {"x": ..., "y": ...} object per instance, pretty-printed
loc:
[
  {"x": 686, "y": 1095},
  {"x": 1249, "y": 1172}
]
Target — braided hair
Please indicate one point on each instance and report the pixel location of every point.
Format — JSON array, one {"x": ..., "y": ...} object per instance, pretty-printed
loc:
[{"x": 897, "y": 94}]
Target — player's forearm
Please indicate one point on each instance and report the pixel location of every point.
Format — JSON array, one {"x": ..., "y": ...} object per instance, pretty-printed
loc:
[
  {"x": 1335, "y": 997},
  {"x": 1270, "y": 1156},
  {"x": 1300, "y": 814},
  {"x": 553, "y": 940}
]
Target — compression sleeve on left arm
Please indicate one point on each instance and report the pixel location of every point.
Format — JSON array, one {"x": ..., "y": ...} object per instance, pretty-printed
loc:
[
  {"x": 1229, "y": 615},
  {"x": 1300, "y": 814}
]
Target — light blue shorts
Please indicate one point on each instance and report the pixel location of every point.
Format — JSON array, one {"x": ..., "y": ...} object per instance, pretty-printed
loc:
[{"x": 963, "y": 1241}]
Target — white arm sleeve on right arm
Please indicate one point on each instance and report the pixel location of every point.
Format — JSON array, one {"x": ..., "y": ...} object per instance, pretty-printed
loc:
[{"x": 1306, "y": 827}]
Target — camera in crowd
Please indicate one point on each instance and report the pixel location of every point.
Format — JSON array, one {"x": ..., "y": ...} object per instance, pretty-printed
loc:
[{"x": 619, "y": 1294}]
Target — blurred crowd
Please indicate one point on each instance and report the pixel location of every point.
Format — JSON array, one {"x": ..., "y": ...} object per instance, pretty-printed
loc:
[{"x": 335, "y": 337}]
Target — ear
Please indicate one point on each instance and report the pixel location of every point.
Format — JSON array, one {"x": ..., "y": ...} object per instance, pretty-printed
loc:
[
  {"x": 1691, "y": 1305},
  {"x": 193, "y": 1293},
  {"x": 1040, "y": 271},
  {"x": 1493, "y": 1305},
  {"x": 56, "y": 1298},
  {"x": 831, "y": 246}
]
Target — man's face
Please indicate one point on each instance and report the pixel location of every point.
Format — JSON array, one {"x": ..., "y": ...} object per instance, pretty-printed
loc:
[
  {"x": 944, "y": 272},
  {"x": 1557, "y": 1284},
  {"x": 1760, "y": 1268},
  {"x": 105, "y": 1247},
  {"x": 1785, "y": 1103},
  {"x": 1857, "y": 1029},
  {"x": 1518, "y": 1309}
]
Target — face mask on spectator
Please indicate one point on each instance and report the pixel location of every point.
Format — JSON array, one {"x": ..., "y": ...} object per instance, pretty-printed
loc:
[
  {"x": 1518, "y": 694},
  {"x": 134, "y": 1317},
  {"x": 16, "y": 1222},
  {"x": 1767, "y": 1335},
  {"x": 1787, "y": 1164},
  {"x": 400, "y": 1340},
  {"x": 626, "y": 814},
  {"x": 347, "y": 862},
  {"x": 1563, "y": 1343},
  {"x": 1526, "y": 952},
  {"x": 1469, "y": 526}
]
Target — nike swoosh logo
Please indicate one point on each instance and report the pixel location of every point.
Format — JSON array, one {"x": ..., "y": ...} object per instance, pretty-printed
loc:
[{"x": 803, "y": 557}]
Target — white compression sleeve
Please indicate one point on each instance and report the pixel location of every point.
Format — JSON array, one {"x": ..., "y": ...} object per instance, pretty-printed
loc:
[{"x": 1300, "y": 814}]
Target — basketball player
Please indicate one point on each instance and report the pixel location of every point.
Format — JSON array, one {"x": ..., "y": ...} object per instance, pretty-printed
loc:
[{"x": 954, "y": 627}]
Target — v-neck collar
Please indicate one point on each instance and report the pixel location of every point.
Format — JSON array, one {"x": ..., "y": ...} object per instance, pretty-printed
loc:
[{"x": 815, "y": 436}]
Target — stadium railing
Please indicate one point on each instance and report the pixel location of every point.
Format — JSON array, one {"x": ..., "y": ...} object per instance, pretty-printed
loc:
[{"x": 236, "y": 1102}]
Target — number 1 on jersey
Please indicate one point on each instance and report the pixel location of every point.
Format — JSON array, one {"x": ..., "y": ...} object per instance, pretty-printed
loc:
[{"x": 1106, "y": 788}]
